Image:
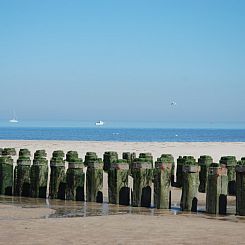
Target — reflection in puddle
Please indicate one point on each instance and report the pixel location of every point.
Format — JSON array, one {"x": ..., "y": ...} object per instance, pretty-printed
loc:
[{"x": 64, "y": 208}]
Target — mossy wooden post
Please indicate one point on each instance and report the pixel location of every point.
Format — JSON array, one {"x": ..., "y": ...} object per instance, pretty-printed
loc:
[
  {"x": 217, "y": 183},
  {"x": 162, "y": 181},
  {"x": 108, "y": 158},
  {"x": 230, "y": 163},
  {"x": 74, "y": 177},
  {"x": 130, "y": 158},
  {"x": 94, "y": 180},
  {"x": 22, "y": 174},
  {"x": 6, "y": 175},
  {"x": 58, "y": 176},
  {"x": 142, "y": 174},
  {"x": 240, "y": 187},
  {"x": 39, "y": 174},
  {"x": 90, "y": 157},
  {"x": 118, "y": 182},
  {"x": 190, "y": 184},
  {"x": 147, "y": 156},
  {"x": 9, "y": 152},
  {"x": 173, "y": 173},
  {"x": 179, "y": 172},
  {"x": 204, "y": 162}
]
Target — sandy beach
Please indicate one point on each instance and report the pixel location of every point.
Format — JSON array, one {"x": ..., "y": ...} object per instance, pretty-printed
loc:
[
  {"x": 215, "y": 149},
  {"x": 33, "y": 221}
]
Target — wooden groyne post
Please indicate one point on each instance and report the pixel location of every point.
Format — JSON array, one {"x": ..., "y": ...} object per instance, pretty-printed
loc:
[
  {"x": 9, "y": 152},
  {"x": 119, "y": 192},
  {"x": 230, "y": 163},
  {"x": 162, "y": 181},
  {"x": 179, "y": 172},
  {"x": 57, "y": 176},
  {"x": 217, "y": 183},
  {"x": 94, "y": 178},
  {"x": 204, "y": 162},
  {"x": 6, "y": 175},
  {"x": 240, "y": 187},
  {"x": 108, "y": 158},
  {"x": 39, "y": 174},
  {"x": 74, "y": 177},
  {"x": 190, "y": 184},
  {"x": 22, "y": 174},
  {"x": 142, "y": 181},
  {"x": 130, "y": 158}
]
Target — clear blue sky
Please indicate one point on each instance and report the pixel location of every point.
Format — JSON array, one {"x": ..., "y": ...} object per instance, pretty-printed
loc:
[{"x": 123, "y": 60}]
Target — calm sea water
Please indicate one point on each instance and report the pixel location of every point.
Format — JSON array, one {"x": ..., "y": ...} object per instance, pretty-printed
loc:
[{"x": 139, "y": 132}]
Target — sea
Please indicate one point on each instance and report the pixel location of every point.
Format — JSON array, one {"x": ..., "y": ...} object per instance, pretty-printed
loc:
[{"x": 123, "y": 131}]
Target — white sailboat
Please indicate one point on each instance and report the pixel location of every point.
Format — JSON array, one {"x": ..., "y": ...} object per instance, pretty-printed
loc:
[{"x": 13, "y": 120}]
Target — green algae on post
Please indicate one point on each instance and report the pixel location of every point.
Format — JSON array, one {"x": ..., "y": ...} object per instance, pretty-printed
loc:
[
  {"x": 162, "y": 181},
  {"x": 190, "y": 184},
  {"x": 230, "y": 163},
  {"x": 142, "y": 174},
  {"x": 39, "y": 174},
  {"x": 74, "y": 177},
  {"x": 22, "y": 179},
  {"x": 217, "y": 183},
  {"x": 57, "y": 176},
  {"x": 6, "y": 175},
  {"x": 240, "y": 187},
  {"x": 204, "y": 162},
  {"x": 118, "y": 182},
  {"x": 109, "y": 157},
  {"x": 94, "y": 180}
]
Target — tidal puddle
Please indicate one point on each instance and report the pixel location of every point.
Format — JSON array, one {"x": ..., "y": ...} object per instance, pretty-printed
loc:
[{"x": 64, "y": 208}]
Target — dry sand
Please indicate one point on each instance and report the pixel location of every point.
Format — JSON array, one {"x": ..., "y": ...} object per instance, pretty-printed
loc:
[
  {"x": 215, "y": 149},
  {"x": 27, "y": 225}
]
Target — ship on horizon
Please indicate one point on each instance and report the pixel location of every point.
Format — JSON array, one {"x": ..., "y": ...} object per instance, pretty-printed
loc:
[{"x": 99, "y": 123}]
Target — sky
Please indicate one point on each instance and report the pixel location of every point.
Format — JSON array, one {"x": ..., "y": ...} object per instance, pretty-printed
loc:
[{"x": 123, "y": 60}]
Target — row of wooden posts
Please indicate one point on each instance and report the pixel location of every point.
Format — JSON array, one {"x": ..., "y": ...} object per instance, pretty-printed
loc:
[{"x": 217, "y": 180}]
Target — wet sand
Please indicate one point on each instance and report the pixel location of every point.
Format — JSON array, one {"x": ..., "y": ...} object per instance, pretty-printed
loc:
[
  {"x": 123, "y": 229},
  {"x": 37, "y": 221}
]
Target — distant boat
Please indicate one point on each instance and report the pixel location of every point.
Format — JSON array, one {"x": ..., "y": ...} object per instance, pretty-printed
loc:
[
  {"x": 99, "y": 123},
  {"x": 13, "y": 120}
]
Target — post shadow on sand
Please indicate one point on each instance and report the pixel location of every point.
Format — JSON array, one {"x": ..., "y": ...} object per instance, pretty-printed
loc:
[
  {"x": 222, "y": 204},
  {"x": 99, "y": 197},
  {"x": 25, "y": 189},
  {"x": 194, "y": 204},
  {"x": 79, "y": 193},
  {"x": 43, "y": 192},
  {"x": 146, "y": 197},
  {"x": 124, "y": 196},
  {"x": 61, "y": 191}
]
